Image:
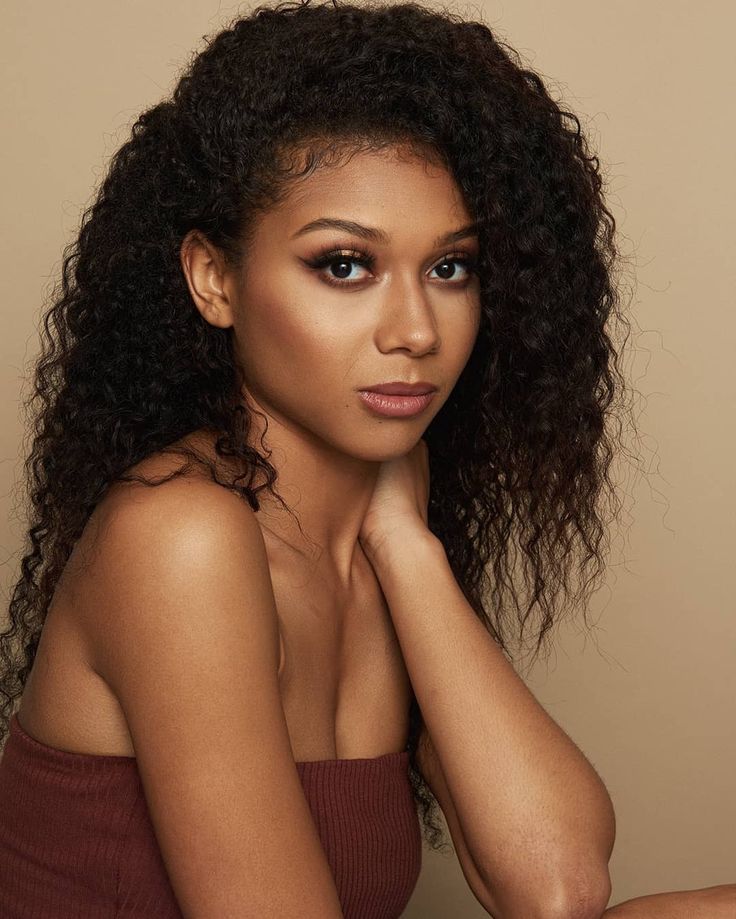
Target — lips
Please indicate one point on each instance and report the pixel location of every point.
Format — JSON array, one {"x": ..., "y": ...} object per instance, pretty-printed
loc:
[
  {"x": 398, "y": 388},
  {"x": 393, "y": 406}
]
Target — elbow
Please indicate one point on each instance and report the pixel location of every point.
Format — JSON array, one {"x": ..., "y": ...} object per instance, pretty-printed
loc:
[
  {"x": 581, "y": 900},
  {"x": 583, "y": 887},
  {"x": 571, "y": 900}
]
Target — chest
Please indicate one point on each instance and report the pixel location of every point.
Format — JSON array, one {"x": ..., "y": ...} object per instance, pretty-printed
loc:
[{"x": 344, "y": 686}]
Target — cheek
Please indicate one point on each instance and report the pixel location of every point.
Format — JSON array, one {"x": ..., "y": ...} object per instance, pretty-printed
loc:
[
  {"x": 463, "y": 331},
  {"x": 290, "y": 347}
]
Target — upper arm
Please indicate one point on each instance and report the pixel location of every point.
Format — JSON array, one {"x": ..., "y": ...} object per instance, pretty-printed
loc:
[
  {"x": 431, "y": 770},
  {"x": 185, "y": 633}
]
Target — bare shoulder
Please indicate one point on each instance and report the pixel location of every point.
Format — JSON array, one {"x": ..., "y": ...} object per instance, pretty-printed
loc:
[
  {"x": 183, "y": 628},
  {"x": 160, "y": 486},
  {"x": 169, "y": 562},
  {"x": 140, "y": 534}
]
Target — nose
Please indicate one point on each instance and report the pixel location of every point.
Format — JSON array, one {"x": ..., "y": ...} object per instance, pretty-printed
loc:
[{"x": 407, "y": 320}]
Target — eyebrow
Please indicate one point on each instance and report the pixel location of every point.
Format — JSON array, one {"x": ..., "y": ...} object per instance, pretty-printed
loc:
[{"x": 376, "y": 235}]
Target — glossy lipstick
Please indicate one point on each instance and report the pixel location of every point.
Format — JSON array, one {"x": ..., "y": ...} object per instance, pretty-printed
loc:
[{"x": 398, "y": 400}]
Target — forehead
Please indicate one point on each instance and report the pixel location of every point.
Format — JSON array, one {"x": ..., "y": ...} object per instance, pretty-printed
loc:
[{"x": 381, "y": 185}]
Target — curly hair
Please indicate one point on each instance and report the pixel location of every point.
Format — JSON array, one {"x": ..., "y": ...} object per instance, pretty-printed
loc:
[{"x": 520, "y": 452}]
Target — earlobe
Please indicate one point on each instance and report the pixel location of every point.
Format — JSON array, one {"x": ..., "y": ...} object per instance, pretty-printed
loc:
[{"x": 204, "y": 270}]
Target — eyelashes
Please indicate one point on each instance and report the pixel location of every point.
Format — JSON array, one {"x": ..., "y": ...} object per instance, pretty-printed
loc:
[{"x": 368, "y": 259}]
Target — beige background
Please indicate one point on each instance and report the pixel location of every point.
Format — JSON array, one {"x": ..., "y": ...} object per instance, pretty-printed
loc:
[{"x": 648, "y": 696}]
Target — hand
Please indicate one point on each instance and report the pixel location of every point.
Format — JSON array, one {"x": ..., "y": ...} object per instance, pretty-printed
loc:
[
  {"x": 705, "y": 903},
  {"x": 400, "y": 497}
]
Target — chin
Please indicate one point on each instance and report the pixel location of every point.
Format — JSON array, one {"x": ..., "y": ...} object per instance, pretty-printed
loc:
[{"x": 381, "y": 446}]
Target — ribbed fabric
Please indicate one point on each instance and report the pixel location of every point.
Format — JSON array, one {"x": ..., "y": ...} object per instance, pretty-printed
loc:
[
  {"x": 367, "y": 820},
  {"x": 77, "y": 842}
]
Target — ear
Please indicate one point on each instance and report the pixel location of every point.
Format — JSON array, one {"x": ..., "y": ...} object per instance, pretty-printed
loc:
[{"x": 207, "y": 277}]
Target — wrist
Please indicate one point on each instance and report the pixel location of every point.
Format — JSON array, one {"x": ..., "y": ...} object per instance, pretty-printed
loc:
[{"x": 401, "y": 548}]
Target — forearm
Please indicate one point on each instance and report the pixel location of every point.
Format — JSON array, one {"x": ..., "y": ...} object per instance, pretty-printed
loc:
[{"x": 532, "y": 808}]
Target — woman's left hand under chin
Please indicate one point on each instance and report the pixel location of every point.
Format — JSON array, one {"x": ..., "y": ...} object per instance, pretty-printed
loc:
[{"x": 400, "y": 498}]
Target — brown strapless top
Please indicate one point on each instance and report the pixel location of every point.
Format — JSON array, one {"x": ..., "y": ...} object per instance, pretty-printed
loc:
[{"x": 76, "y": 838}]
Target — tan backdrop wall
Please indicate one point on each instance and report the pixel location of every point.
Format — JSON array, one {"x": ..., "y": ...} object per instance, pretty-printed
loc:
[{"x": 648, "y": 696}]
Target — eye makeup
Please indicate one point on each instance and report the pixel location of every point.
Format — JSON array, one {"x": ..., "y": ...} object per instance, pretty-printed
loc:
[{"x": 367, "y": 259}]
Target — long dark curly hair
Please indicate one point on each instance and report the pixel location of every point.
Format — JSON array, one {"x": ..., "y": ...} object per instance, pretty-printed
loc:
[{"x": 520, "y": 452}]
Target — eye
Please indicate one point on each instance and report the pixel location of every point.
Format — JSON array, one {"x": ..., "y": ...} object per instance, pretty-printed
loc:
[
  {"x": 340, "y": 272},
  {"x": 460, "y": 259},
  {"x": 341, "y": 260}
]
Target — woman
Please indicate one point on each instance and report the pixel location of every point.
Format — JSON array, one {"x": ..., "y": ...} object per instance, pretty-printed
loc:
[{"x": 254, "y": 626}]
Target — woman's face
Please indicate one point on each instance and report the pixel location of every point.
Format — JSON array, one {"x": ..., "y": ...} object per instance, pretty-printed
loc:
[{"x": 319, "y": 312}]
